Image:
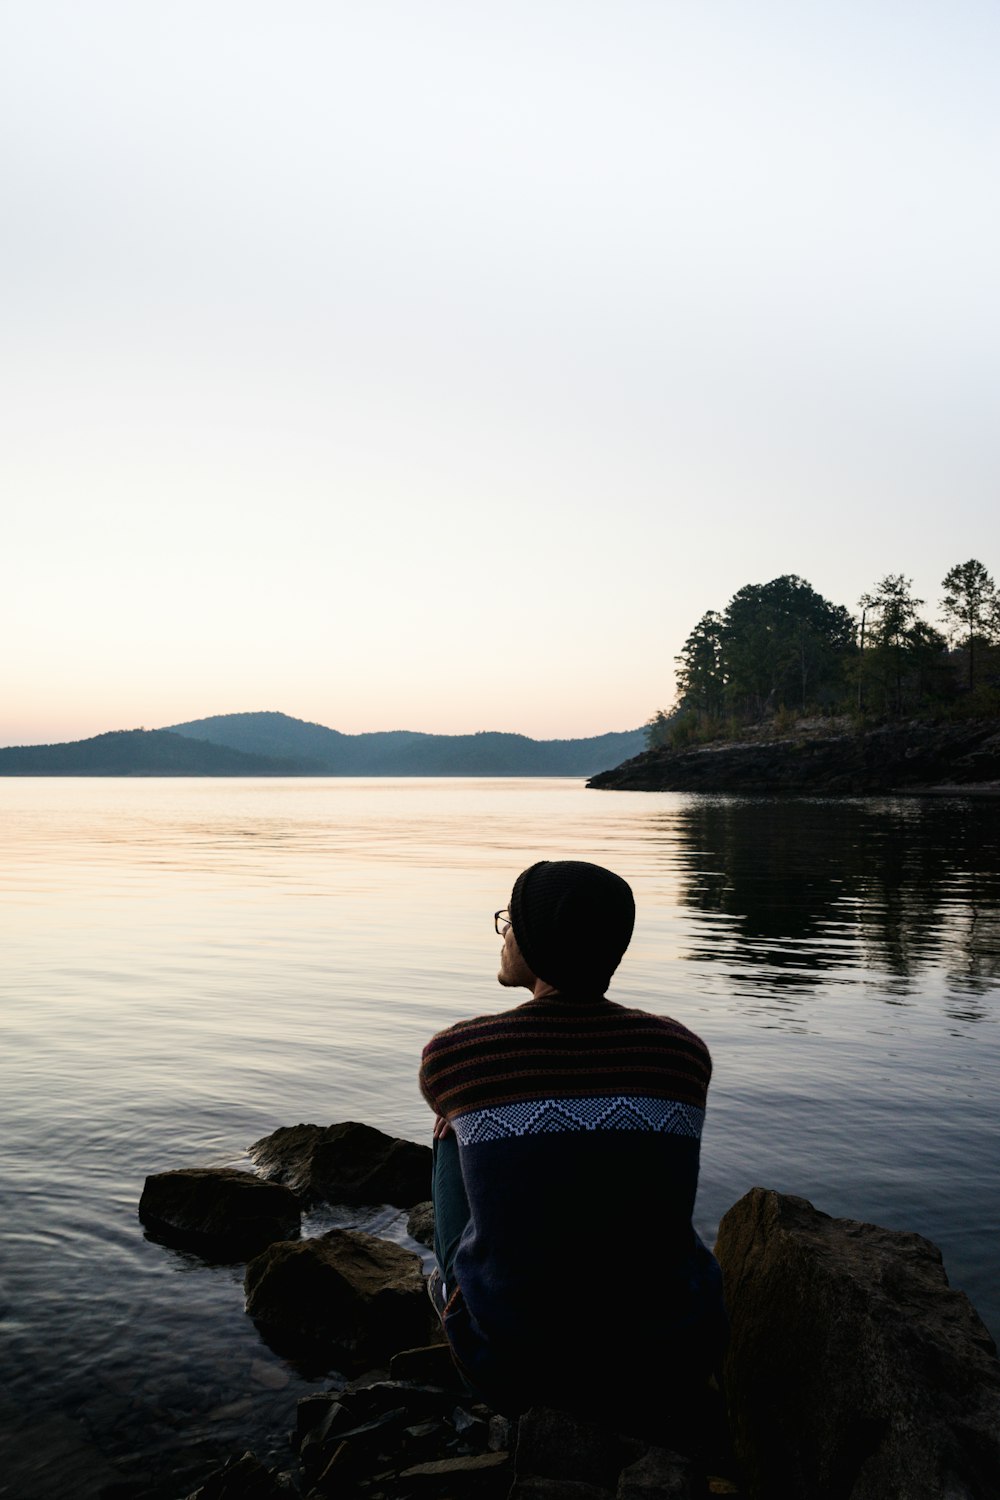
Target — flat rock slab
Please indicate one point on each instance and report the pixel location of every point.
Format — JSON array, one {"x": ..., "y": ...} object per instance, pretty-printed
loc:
[
  {"x": 534, "y": 1487},
  {"x": 347, "y": 1163},
  {"x": 346, "y": 1292},
  {"x": 241, "y": 1479},
  {"x": 480, "y": 1474},
  {"x": 218, "y": 1210},
  {"x": 854, "y": 1371}
]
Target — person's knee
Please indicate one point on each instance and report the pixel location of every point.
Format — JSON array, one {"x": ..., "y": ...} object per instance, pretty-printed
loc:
[{"x": 451, "y": 1206}]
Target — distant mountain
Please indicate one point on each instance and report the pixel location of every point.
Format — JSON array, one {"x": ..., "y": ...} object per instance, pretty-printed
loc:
[
  {"x": 319, "y": 751},
  {"x": 274, "y": 744},
  {"x": 137, "y": 752}
]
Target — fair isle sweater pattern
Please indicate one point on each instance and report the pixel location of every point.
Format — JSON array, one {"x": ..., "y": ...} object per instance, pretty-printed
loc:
[{"x": 549, "y": 1116}]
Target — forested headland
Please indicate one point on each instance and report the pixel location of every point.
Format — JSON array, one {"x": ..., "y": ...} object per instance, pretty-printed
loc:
[
  {"x": 786, "y": 691},
  {"x": 779, "y": 650}
]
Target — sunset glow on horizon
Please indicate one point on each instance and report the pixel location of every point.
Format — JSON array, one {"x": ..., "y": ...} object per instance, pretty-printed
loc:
[{"x": 438, "y": 367}]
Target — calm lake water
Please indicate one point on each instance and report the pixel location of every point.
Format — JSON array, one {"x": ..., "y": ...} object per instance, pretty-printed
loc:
[{"x": 189, "y": 964}]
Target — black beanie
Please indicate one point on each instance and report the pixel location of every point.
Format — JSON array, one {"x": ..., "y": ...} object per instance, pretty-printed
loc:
[{"x": 572, "y": 922}]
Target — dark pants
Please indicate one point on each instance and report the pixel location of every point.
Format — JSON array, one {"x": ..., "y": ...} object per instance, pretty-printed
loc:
[
  {"x": 649, "y": 1406},
  {"x": 451, "y": 1206}
]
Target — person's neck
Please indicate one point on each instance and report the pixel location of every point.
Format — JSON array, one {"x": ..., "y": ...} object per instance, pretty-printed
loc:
[{"x": 543, "y": 989}]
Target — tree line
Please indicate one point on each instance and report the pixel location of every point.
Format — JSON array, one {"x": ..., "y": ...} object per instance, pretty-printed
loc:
[{"x": 780, "y": 647}]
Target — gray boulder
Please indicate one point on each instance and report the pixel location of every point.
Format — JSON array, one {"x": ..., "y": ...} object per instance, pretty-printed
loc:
[
  {"x": 659, "y": 1474},
  {"x": 854, "y": 1371},
  {"x": 219, "y": 1211},
  {"x": 420, "y": 1224},
  {"x": 559, "y": 1445},
  {"x": 345, "y": 1292},
  {"x": 560, "y": 1456},
  {"x": 345, "y": 1163}
]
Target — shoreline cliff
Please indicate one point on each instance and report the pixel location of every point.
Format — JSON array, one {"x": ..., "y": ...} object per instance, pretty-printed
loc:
[{"x": 824, "y": 758}]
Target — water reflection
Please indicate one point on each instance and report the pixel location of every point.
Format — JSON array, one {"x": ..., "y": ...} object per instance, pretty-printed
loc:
[
  {"x": 811, "y": 890},
  {"x": 189, "y": 964}
]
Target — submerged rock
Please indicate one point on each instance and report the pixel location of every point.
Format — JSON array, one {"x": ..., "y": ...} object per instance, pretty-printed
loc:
[
  {"x": 50, "y": 1457},
  {"x": 218, "y": 1211},
  {"x": 854, "y": 1371},
  {"x": 344, "y": 1291},
  {"x": 345, "y": 1163}
]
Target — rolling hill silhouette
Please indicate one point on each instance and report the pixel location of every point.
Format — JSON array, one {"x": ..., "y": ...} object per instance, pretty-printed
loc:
[
  {"x": 400, "y": 752},
  {"x": 275, "y": 744},
  {"x": 137, "y": 752}
]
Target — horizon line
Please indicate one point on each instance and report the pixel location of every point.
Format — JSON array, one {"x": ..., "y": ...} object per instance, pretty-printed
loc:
[{"x": 314, "y": 723}]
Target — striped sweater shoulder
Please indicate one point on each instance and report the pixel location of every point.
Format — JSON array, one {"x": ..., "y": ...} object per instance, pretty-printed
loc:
[{"x": 561, "y": 1047}]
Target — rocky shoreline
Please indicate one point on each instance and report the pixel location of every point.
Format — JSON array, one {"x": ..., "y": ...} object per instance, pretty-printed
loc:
[
  {"x": 854, "y": 1371},
  {"x": 402, "y": 1437},
  {"x": 826, "y": 758}
]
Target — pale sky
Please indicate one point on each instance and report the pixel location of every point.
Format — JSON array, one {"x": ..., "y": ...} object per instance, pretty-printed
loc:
[{"x": 436, "y": 366}]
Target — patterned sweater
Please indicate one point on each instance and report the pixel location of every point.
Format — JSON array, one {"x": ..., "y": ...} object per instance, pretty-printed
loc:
[{"x": 578, "y": 1124}]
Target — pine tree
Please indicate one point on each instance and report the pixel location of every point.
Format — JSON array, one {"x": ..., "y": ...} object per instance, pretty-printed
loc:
[{"x": 971, "y": 605}]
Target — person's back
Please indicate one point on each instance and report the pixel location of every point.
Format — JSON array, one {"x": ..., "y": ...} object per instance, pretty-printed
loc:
[{"x": 569, "y": 1259}]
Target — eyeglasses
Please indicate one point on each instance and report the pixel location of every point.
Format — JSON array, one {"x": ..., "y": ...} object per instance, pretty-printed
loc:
[{"x": 501, "y": 921}]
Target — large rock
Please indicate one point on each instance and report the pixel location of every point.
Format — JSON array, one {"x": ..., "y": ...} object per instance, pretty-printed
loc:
[
  {"x": 558, "y": 1445},
  {"x": 560, "y": 1456},
  {"x": 659, "y": 1474},
  {"x": 345, "y": 1163},
  {"x": 345, "y": 1291},
  {"x": 218, "y": 1210},
  {"x": 854, "y": 1371}
]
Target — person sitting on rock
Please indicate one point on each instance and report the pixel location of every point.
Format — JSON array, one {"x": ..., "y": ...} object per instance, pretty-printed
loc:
[{"x": 566, "y": 1149}]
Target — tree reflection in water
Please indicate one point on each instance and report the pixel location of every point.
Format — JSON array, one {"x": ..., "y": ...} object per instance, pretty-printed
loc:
[{"x": 807, "y": 888}]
